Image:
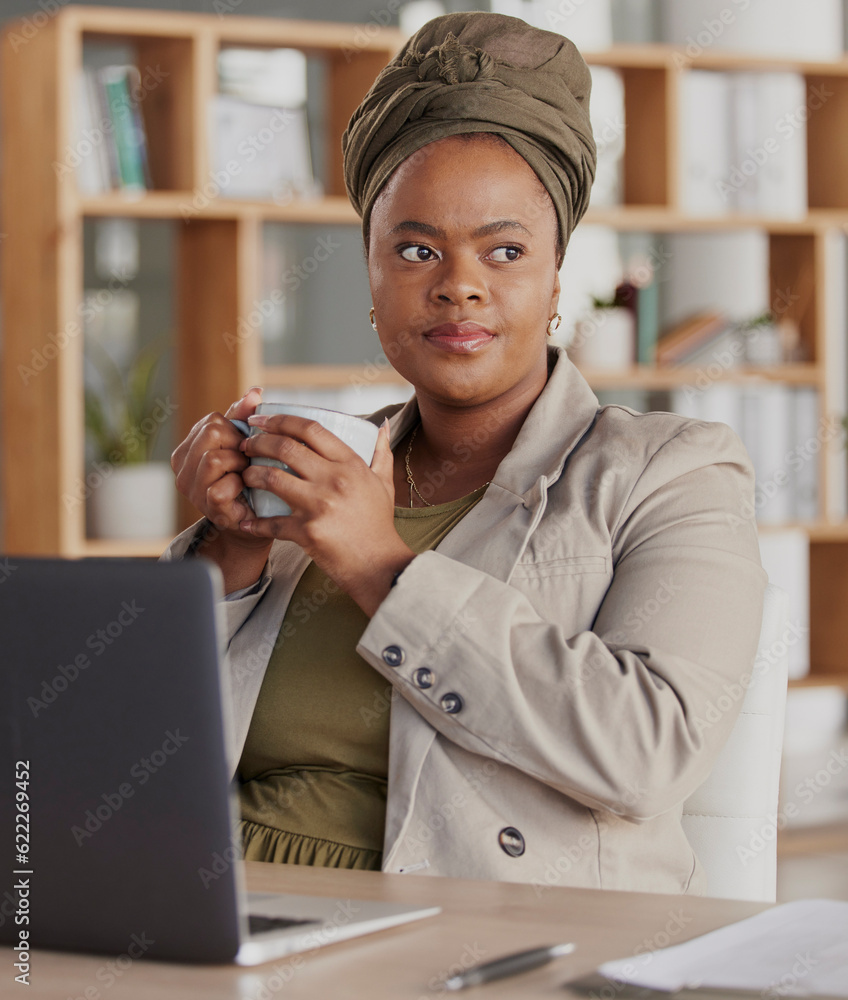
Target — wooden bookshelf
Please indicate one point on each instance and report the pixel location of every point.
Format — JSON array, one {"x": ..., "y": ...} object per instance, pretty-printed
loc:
[{"x": 219, "y": 249}]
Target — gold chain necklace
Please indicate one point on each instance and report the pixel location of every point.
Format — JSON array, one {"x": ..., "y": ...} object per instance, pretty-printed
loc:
[{"x": 411, "y": 481}]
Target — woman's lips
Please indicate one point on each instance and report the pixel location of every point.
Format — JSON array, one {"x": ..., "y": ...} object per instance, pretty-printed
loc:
[{"x": 460, "y": 338}]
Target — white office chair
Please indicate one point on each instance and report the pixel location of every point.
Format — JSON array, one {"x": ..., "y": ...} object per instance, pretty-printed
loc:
[{"x": 730, "y": 820}]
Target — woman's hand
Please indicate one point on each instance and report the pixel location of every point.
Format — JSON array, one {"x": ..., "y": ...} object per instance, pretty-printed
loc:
[
  {"x": 342, "y": 510},
  {"x": 208, "y": 467}
]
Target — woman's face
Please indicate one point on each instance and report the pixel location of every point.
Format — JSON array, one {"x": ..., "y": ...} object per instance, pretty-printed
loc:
[{"x": 463, "y": 270}]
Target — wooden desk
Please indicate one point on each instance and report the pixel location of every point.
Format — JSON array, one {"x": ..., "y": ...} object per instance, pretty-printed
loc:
[{"x": 479, "y": 921}]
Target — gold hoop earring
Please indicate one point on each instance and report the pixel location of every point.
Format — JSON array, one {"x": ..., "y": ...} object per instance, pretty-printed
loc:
[
  {"x": 552, "y": 329},
  {"x": 371, "y": 317}
]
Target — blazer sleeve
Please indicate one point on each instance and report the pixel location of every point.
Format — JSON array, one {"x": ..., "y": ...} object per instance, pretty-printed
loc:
[{"x": 620, "y": 719}]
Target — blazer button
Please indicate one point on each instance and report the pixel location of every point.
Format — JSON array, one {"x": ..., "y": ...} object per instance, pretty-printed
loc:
[
  {"x": 423, "y": 677},
  {"x": 393, "y": 655},
  {"x": 451, "y": 703},
  {"x": 511, "y": 841}
]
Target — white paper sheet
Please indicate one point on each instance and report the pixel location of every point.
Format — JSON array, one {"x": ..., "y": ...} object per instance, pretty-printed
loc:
[{"x": 799, "y": 949}]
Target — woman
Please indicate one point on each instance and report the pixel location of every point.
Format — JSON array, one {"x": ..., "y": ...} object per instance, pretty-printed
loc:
[{"x": 489, "y": 654}]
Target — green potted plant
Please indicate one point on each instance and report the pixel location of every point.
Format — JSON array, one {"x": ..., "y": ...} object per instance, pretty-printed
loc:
[{"x": 130, "y": 496}]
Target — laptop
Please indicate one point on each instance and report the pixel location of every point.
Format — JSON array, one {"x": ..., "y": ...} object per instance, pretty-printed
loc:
[{"x": 115, "y": 777}]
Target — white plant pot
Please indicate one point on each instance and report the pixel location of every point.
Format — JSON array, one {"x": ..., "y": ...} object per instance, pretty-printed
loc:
[
  {"x": 133, "y": 502},
  {"x": 605, "y": 339}
]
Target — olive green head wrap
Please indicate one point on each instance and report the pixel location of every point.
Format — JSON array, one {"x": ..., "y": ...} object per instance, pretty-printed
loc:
[{"x": 479, "y": 72}]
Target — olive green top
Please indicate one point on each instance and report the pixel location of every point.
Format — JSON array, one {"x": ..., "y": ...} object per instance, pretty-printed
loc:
[{"x": 313, "y": 773}]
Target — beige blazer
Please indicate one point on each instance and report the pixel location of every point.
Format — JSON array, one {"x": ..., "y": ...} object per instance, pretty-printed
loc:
[{"x": 555, "y": 664}]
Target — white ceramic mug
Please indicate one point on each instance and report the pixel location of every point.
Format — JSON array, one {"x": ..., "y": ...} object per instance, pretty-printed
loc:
[{"x": 358, "y": 434}]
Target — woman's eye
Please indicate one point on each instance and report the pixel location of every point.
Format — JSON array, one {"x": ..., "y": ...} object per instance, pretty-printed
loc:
[
  {"x": 504, "y": 255},
  {"x": 418, "y": 252}
]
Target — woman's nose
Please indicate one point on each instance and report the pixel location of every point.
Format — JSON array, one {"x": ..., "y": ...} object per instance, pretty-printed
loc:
[{"x": 460, "y": 279}]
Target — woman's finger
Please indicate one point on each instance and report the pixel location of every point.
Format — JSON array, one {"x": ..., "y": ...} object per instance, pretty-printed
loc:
[
  {"x": 383, "y": 462},
  {"x": 322, "y": 441},
  {"x": 244, "y": 407},
  {"x": 297, "y": 455},
  {"x": 225, "y": 502},
  {"x": 297, "y": 493}
]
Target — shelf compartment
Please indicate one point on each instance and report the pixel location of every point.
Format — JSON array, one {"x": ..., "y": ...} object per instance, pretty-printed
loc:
[
  {"x": 827, "y": 126},
  {"x": 650, "y": 110},
  {"x": 169, "y": 74},
  {"x": 828, "y": 601}
]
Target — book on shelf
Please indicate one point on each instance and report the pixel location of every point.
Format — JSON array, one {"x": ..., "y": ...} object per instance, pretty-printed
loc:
[
  {"x": 642, "y": 302},
  {"x": 705, "y": 142},
  {"x": 109, "y": 149},
  {"x": 260, "y": 151},
  {"x": 608, "y": 128},
  {"x": 836, "y": 370},
  {"x": 259, "y": 126},
  {"x": 778, "y": 424},
  {"x": 724, "y": 272},
  {"x": 689, "y": 335},
  {"x": 743, "y": 143},
  {"x": 276, "y": 77},
  {"x": 811, "y": 30}
]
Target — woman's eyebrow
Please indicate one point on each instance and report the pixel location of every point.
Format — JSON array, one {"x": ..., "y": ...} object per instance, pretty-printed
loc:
[
  {"x": 411, "y": 226},
  {"x": 500, "y": 226}
]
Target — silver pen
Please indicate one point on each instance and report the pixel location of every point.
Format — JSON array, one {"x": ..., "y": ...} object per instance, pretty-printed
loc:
[{"x": 509, "y": 965}]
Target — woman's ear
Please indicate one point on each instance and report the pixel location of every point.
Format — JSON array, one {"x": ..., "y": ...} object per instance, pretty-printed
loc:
[{"x": 555, "y": 296}]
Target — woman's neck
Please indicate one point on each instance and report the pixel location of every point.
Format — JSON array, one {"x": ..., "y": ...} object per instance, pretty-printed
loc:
[{"x": 457, "y": 449}]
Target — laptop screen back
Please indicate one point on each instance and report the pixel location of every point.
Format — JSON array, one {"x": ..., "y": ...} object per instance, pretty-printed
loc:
[{"x": 110, "y": 697}]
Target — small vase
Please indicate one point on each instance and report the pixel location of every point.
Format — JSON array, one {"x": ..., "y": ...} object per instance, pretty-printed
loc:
[
  {"x": 133, "y": 502},
  {"x": 605, "y": 339}
]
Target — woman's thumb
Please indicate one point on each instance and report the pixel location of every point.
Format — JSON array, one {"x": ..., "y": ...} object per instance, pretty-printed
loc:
[{"x": 383, "y": 462}]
